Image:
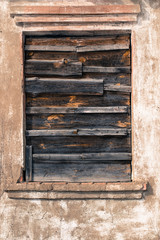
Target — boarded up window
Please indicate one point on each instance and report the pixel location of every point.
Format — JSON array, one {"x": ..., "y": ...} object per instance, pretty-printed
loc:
[{"x": 78, "y": 98}]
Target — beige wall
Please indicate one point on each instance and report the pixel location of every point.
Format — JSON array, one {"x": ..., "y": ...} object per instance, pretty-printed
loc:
[{"x": 84, "y": 219}]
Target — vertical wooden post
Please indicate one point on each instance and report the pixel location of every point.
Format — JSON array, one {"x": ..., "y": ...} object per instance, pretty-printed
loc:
[{"x": 28, "y": 163}]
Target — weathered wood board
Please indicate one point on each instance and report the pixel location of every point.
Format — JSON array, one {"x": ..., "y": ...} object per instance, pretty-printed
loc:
[
  {"x": 82, "y": 172},
  {"x": 65, "y": 86}
]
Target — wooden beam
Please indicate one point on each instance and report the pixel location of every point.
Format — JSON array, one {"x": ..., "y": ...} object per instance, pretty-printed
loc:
[
  {"x": 90, "y": 157},
  {"x": 117, "y": 88},
  {"x": 78, "y": 132},
  {"x": 96, "y": 69},
  {"x": 65, "y": 86},
  {"x": 92, "y": 110},
  {"x": 98, "y": 9}
]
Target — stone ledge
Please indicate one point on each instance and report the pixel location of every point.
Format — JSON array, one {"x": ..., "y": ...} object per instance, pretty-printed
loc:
[
  {"x": 34, "y": 16},
  {"x": 67, "y": 10},
  {"x": 63, "y": 190}
]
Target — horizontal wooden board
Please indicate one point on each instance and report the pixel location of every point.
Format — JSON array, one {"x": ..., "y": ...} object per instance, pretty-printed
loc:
[
  {"x": 65, "y": 86},
  {"x": 77, "y": 33},
  {"x": 51, "y": 67},
  {"x": 54, "y": 100},
  {"x": 50, "y": 48},
  {"x": 39, "y": 110},
  {"x": 98, "y": 48},
  {"x": 82, "y": 172},
  {"x": 51, "y": 158},
  {"x": 117, "y": 88},
  {"x": 77, "y": 41},
  {"x": 105, "y": 58},
  {"x": 57, "y": 121},
  {"x": 63, "y": 48},
  {"x": 79, "y": 132},
  {"x": 78, "y": 144},
  {"x": 106, "y": 69}
]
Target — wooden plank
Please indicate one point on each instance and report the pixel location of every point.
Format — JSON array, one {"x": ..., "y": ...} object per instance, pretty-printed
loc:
[
  {"x": 77, "y": 33},
  {"x": 114, "y": 58},
  {"x": 73, "y": 19},
  {"x": 77, "y": 41},
  {"x": 91, "y": 48},
  {"x": 82, "y": 172},
  {"x": 28, "y": 163},
  {"x": 79, "y": 144},
  {"x": 50, "y": 48},
  {"x": 51, "y": 158},
  {"x": 51, "y": 67},
  {"x": 97, "y": 69},
  {"x": 65, "y": 86},
  {"x": 117, "y": 88},
  {"x": 57, "y": 100},
  {"x": 94, "y": 48},
  {"x": 97, "y": 9},
  {"x": 65, "y": 121},
  {"x": 78, "y": 132},
  {"x": 92, "y": 110}
]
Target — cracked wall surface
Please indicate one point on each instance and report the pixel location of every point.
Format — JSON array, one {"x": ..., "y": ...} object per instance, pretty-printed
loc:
[{"x": 84, "y": 219}]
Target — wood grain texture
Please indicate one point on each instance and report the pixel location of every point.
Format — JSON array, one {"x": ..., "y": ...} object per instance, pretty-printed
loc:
[
  {"x": 51, "y": 158},
  {"x": 53, "y": 68},
  {"x": 95, "y": 69},
  {"x": 78, "y": 132},
  {"x": 117, "y": 88},
  {"x": 78, "y": 98},
  {"x": 65, "y": 86},
  {"x": 86, "y": 39},
  {"x": 63, "y": 48},
  {"x": 82, "y": 172},
  {"x": 54, "y": 100},
  {"x": 97, "y": 48},
  {"x": 69, "y": 121},
  {"x": 103, "y": 58},
  {"x": 41, "y": 110},
  {"x": 50, "y": 48},
  {"x": 79, "y": 144}
]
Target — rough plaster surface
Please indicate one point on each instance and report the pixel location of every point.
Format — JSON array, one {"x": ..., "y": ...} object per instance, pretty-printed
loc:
[{"x": 84, "y": 219}]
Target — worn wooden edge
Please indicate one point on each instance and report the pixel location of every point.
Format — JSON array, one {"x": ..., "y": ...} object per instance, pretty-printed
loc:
[
  {"x": 95, "y": 69},
  {"x": 83, "y": 19},
  {"x": 93, "y": 190},
  {"x": 89, "y": 48},
  {"x": 90, "y": 110},
  {"x": 76, "y": 33},
  {"x": 69, "y": 10},
  {"x": 118, "y": 156},
  {"x": 79, "y": 132},
  {"x": 117, "y": 88}
]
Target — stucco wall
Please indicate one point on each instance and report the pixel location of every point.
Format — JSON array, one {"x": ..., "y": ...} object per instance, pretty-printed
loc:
[{"x": 85, "y": 219}]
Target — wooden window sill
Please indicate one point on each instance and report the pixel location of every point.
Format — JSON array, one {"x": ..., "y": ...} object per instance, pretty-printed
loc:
[{"x": 63, "y": 190}]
